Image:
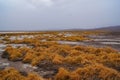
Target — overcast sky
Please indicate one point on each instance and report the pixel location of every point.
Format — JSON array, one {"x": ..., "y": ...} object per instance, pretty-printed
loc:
[{"x": 58, "y": 14}]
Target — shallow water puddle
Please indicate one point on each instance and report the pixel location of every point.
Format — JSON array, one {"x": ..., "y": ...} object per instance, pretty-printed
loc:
[
  {"x": 71, "y": 43},
  {"x": 115, "y": 43},
  {"x": 3, "y": 46},
  {"x": 29, "y": 66},
  {"x": 116, "y": 40}
]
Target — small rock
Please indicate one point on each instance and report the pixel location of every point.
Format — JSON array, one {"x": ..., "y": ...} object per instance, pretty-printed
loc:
[
  {"x": 5, "y": 55},
  {"x": 23, "y": 73},
  {"x": 29, "y": 66},
  {"x": 5, "y": 64},
  {"x": 34, "y": 67},
  {"x": 2, "y": 67}
]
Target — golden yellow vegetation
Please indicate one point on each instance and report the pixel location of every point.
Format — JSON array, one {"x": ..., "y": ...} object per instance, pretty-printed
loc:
[
  {"x": 13, "y": 53},
  {"x": 60, "y": 54},
  {"x": 57, "y": 59},
  {"x": 13, "y": 74},
  {"x": 92, "y": 72},
  {"x": 88, "y": 62}
]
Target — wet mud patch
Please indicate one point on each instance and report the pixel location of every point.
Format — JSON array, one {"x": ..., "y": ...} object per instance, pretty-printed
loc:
[{"x": 48, "y": 69}]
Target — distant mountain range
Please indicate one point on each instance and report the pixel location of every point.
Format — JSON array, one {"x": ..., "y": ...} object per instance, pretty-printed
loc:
[{"x": 110, "y": 28}]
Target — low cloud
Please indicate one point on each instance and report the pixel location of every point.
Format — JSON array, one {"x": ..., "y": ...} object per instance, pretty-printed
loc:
[
  {"x": 38, "y": 3},
  {"x": 27, "y": 3},
  {"x": 32, "y": 3},
  {"x": 58, "y": 14}
]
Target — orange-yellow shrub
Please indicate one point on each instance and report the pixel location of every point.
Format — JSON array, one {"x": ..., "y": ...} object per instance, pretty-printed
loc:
[
  {"x": 33, "y": 76},
  {"x": 37, "y": 60},
  {"x": 14, "y": 53},
  {"x": 11, "y": 74},
  {"x": 62, "y": 74},
  {"x": 29, "y": 56},
  {"x": 92, "y": 72},
  {"x": 97, "y": 72},
  {"x": 57, "y": 59}
]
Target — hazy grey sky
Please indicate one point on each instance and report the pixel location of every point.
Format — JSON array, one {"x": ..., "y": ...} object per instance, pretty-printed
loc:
[{"x": 58, "y": 14}]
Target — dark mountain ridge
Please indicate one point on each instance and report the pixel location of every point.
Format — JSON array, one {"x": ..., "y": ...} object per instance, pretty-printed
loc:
[{"x": 110, "y": 28}]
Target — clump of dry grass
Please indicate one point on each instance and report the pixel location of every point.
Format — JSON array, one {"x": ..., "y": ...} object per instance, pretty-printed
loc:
[
  {"x": 92, "y": 72},
  {"x": 92, "y": 63},
  {"x": 13, "y": 74}
]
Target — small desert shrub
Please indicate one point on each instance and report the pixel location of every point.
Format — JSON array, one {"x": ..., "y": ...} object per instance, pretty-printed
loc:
[
  {"x": 13, "y": 53},
  {"x": 94, "y": 72},
  {"x": 33, "y": 76},
  {"x": 11, "y": 74},
  {"x": 29, "y": 56},
  {"x": 37, "y": 60},
  {"x": 63, "y": 74},
  {"x": 91, "y": 72},
  {"x": 57, "y": 59}
]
